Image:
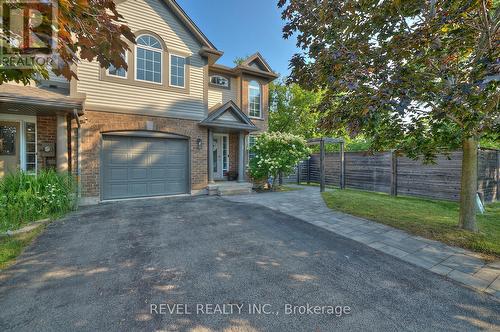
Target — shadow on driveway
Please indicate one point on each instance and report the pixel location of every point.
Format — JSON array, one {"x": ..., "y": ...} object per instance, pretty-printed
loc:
[{"x": 103, "y": 267}]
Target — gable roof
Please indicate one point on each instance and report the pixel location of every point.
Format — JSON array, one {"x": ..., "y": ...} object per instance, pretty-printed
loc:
[
  {"x": 257, "y": 57},
  {"x": 262, "y": 68},
  {"x": 228, "y": 116}
]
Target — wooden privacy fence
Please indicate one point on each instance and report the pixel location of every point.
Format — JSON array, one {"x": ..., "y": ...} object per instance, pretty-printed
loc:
[{"x": 398, "y": 175}]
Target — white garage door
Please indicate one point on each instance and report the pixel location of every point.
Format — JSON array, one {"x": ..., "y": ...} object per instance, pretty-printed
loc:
[{"x": 142, "y": 167}]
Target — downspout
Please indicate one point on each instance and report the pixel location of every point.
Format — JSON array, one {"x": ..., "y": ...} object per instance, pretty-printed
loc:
[{"x": 79, "y": 152}]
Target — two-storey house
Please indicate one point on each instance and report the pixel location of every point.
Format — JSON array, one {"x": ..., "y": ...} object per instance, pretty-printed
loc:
[{"x": 172, "y": 123}]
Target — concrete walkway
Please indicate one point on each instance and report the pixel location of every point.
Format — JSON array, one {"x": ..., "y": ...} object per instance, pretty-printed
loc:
[{"x": 455, "y": 263}]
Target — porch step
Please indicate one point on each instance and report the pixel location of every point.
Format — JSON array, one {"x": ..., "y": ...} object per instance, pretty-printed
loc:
[{"x": 230, "y": 188}]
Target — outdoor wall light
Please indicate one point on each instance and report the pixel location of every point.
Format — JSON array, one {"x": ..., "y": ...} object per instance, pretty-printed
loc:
[{"x": 199, "y": 143}]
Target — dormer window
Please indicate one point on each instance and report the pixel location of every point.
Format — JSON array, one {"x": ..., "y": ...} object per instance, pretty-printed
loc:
[{"x": 219, "y": 81}]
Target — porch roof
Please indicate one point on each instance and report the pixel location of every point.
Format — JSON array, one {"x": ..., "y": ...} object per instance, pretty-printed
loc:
[
  {"x": 228, "y": 117},
  {"x": 34, "y": 100}
]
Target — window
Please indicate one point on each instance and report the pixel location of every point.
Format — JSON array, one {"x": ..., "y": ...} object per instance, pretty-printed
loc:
[
  {"x": 251, "y": 143},
  {"x": 30, "y": 137},
  {"x": 225, "y": 153},
  {"x": 254, "y": 99},
  {"x": 148, "y": 59},
  {"x": 8, "y": 140},
  {"x": 121, "y": 72},
  {"x": 177, "y": 70},
  {"x": 219, "y": 81}
]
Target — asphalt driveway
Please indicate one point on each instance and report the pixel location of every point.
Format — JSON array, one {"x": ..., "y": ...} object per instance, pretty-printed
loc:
[{"x": 106, "y": 267}]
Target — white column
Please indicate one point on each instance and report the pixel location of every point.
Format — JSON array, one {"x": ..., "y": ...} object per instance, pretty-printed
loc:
[
  {"x": 62, "y": 144},
  {"x": 241, "y": 155}
]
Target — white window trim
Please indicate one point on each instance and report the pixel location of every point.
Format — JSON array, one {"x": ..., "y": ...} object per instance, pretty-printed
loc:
[
  {"x": 22, "y": 119},
  {"x": 170, "y": 71},
  {"x": 220, "y": 76},
  {"x": 248, "y": 148},
  {"x": 149, "y": 48},
  {"x": 260, "y": 101},
  {"x": 228, "y": 167},
  {"x": 126, "y": 71}
]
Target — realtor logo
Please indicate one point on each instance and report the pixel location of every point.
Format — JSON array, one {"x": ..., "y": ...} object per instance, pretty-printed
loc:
[{"x": 28, "y": 33}]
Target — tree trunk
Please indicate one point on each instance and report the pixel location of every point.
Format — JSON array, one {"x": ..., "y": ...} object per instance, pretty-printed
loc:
[
  {"x": 468, "y": 188},
  {"x": 273, "y": 185}
]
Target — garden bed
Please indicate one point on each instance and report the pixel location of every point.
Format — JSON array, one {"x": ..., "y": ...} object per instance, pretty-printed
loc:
[{"x": 26, "y": 198}]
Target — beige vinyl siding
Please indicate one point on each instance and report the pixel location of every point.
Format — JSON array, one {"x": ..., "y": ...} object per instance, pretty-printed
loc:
[
  {"x": 221, "y": 96},
  {"x": 154, "y": 16}
]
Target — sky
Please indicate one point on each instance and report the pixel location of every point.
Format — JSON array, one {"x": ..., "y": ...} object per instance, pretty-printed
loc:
[{"x": 240, "y": 28}]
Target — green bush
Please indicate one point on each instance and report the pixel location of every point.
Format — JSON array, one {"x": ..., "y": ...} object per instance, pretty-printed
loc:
[
  {"x": 25, "y": 198},
  {"x": 276, "y": 153}
]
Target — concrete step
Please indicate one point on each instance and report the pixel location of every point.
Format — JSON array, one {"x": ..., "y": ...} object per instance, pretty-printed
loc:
[{"x": 230, "y": 188}]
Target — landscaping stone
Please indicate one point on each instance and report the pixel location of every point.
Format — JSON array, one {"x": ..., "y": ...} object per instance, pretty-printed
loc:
[
  {"x": 393, "y": 251},
  {"x": 495, "y": 285},
  {"x": 420, "y": 261},
  {"x": 25, "y": 229},
  {"x": 469, "y": 280},
  {"x": 441, "y": 269},
  {"x": 464, "y": 263},
  {"x": 406, "y": 244},
  {"x": 487, "y": 274}
]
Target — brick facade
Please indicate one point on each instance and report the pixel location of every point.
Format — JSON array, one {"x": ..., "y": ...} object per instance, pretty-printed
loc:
[
  {"x": 46, "y": 134},
  {"x": 94, "y": 123}
]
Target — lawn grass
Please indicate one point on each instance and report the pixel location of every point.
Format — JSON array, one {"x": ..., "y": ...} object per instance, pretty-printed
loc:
[
  {"x": 11, "y": 247},
  {"x": 432, "y": 219}
]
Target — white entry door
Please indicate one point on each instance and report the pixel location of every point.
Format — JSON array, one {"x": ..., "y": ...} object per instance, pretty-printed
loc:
[{"x": 221, "y": 156}]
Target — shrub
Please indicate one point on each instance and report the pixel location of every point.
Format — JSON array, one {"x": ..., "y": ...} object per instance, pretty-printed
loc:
[
  {"x": 25, "y": 197},
  {"x": 276, "y": 153}
]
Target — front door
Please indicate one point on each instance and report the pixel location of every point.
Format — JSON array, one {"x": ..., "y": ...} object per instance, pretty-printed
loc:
[
  {"x": 220, "y": 155},
  {"x": 9, "y": 147}
]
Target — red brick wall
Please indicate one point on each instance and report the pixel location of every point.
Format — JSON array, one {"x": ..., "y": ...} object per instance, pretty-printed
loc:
[
  {"x": 97, "y": 122},
  {"x": 233, "y": 152},
  {"x": 46, "y": 133}
]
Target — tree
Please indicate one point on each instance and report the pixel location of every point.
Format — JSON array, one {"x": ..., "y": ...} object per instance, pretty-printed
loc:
[
  {"x": 292, "y": 110},
  {"x": 239, "y": 60},
  {"x": 418, "y": 75},
  {"x": 87, "y": 30},
  {"x": 276, "y": 153}
]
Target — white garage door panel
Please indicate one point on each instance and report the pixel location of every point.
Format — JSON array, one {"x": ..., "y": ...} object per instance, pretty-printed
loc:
[{"x": 141, "y": 167}]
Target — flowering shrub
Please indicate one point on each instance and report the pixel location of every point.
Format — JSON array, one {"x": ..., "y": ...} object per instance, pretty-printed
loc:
[
  {"x": 25, "y": 198},
  {"x": 276, "y": 153}
]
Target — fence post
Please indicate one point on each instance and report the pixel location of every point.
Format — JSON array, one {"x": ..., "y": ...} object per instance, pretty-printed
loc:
[
  {"x": 394, "y": 173},
  {"x": 309, "y": 170},
  {"x": 298, "y": 173},
  {"x": 342, "y": 166},
  {"x": 322, "y": 165}
]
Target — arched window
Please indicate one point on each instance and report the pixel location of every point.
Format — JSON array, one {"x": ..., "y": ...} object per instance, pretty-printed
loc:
[
  {"x": 148, "y": 59},
  {"x": 219, "y": 81},
  {"x": 254, "y": 99}
]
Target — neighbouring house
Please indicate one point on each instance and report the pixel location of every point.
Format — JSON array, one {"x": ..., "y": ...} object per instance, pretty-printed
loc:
[{"x": 173, "y": 123}]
